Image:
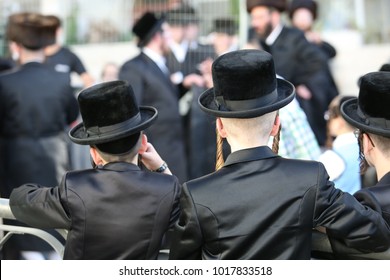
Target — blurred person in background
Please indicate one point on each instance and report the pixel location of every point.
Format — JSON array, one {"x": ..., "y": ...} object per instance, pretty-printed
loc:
[
  {"x": 63, "y": 60},
  {"x": 36, "y": 108},
  {"x": 303, "y": 14},
  {"x": 341, "y": 160},
  {"x": 224, "y": 34},
  {"x": 152, "y": 84},
  {"x": 110, "y": 72},
  {"x": 66, "y": 62},
  {"x": 296, "y": 60}
]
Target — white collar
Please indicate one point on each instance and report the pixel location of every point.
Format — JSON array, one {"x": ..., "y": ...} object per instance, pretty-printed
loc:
[
  {"x": 274, "y": 35},
  {"x": 157, "y": 58}
]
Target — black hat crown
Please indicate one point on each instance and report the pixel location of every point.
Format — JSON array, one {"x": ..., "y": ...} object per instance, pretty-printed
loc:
[
  {"x": 146, "y": 27},
  {"x": 110, "y": 112},
  {"x": 245, "y": 86},
  {"x": 370, "y": 111},
  {"x": 280, "y": 5}
]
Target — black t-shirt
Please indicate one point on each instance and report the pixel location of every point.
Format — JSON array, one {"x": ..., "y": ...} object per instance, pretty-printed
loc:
[{"x": 65, "y": 61}]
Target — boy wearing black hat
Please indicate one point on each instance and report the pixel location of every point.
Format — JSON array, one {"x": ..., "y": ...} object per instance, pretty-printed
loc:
[
  {"x": 370, "y": 114},
  {"x": 116, "y": 210},
  {"x": 259, "y": 205}
]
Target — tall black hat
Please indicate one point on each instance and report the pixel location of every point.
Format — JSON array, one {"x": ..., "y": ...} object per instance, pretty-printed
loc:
[
  {"x": 280, "y": 5},
  {"x": 33, "y": 31},
  {"x": 110, "y": 112},
  {"x": 146, "y": 27},
  {"x": 370, "y": 111},
  {"x": 245, "y": 86}
]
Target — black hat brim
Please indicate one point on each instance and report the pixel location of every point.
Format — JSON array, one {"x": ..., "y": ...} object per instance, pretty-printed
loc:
[
  {"x": 286, "y": 93},
  {"x": 78, "y": 134},
  {"x": 349, "y": 111}
]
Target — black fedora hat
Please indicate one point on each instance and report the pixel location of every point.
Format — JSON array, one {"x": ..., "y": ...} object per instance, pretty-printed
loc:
[
  {"x": 110, "y": 112},
  {"x": 280, "y": 5},
  {"x": 370, "y": 110},
  {"x": 245, "y": 86},
  {"x": 146, "y": 27}
]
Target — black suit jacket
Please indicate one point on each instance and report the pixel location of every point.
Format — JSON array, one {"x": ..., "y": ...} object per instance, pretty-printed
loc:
[
  {"x": 262, "y": 206},
  {"x": 153, "y": 88},
  {"x": 35, "y": 103},
  {"x": 36, "y": 107},
  {"x": 113, "y": 212},
  {"x": 378, "y": 194},
  {"x": 304, "y": 63}
]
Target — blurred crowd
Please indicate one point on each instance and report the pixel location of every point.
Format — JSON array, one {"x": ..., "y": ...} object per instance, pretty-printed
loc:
[{"x": 38, "y": 105}]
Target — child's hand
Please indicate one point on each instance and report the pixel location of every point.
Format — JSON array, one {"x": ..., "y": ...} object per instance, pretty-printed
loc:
[{"x": 151, "y": 159}]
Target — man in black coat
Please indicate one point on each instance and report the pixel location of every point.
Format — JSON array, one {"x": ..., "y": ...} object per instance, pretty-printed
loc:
[
  {"x": 260, "y": 205},
  {"x": 150, "y": 79},
  {"x": 296, "y": 60},
  {"x": 115, "y": 210},
  {"x": 36, "y": 108}
]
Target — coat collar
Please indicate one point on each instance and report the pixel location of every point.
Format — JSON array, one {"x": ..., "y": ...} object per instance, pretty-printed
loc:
[
  {"x": 251, "y": 154},
  {"x": 119, "y": 166},
  {"x": 384, "y": 181}
]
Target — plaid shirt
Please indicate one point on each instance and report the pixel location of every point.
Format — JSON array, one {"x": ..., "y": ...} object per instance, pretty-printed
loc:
[{"x": 297, "y": 139}]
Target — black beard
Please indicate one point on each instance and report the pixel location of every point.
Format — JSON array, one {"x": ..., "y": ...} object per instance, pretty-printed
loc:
[{"x": 268, "y": 30}]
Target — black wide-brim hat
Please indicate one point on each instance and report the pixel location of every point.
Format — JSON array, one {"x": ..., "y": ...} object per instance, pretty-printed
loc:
[
  {"x": 110, "y": 112},
  {"x": 245, "y": 86},
  {"x": 146, "y": 27},
  {"x": 370, "y": 111},
  {"x": 280, "y": 5}
]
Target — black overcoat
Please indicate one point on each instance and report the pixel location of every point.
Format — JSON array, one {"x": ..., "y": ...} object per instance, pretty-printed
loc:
[
  {"x": 113, "y": 212},
  {"x": 262, "y": 206},
  {"x": 153, "y": 88}
]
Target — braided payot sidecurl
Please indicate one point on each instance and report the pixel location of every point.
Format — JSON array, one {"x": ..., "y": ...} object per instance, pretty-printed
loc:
[
  {"x": 219, "y": 157},
  {"x": 275, "y": 142}
]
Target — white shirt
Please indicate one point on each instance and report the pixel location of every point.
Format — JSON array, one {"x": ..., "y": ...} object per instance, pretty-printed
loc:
[
  {"x": 333, "y": 163},
  {"x": 274, "y": 35},
  {"x": 157, "y": 58}
]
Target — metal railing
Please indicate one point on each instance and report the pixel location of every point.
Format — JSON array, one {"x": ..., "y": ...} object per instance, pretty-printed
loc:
[
  {"x": 321, "y": 246},
  {"x": 9, "y": 230}
]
